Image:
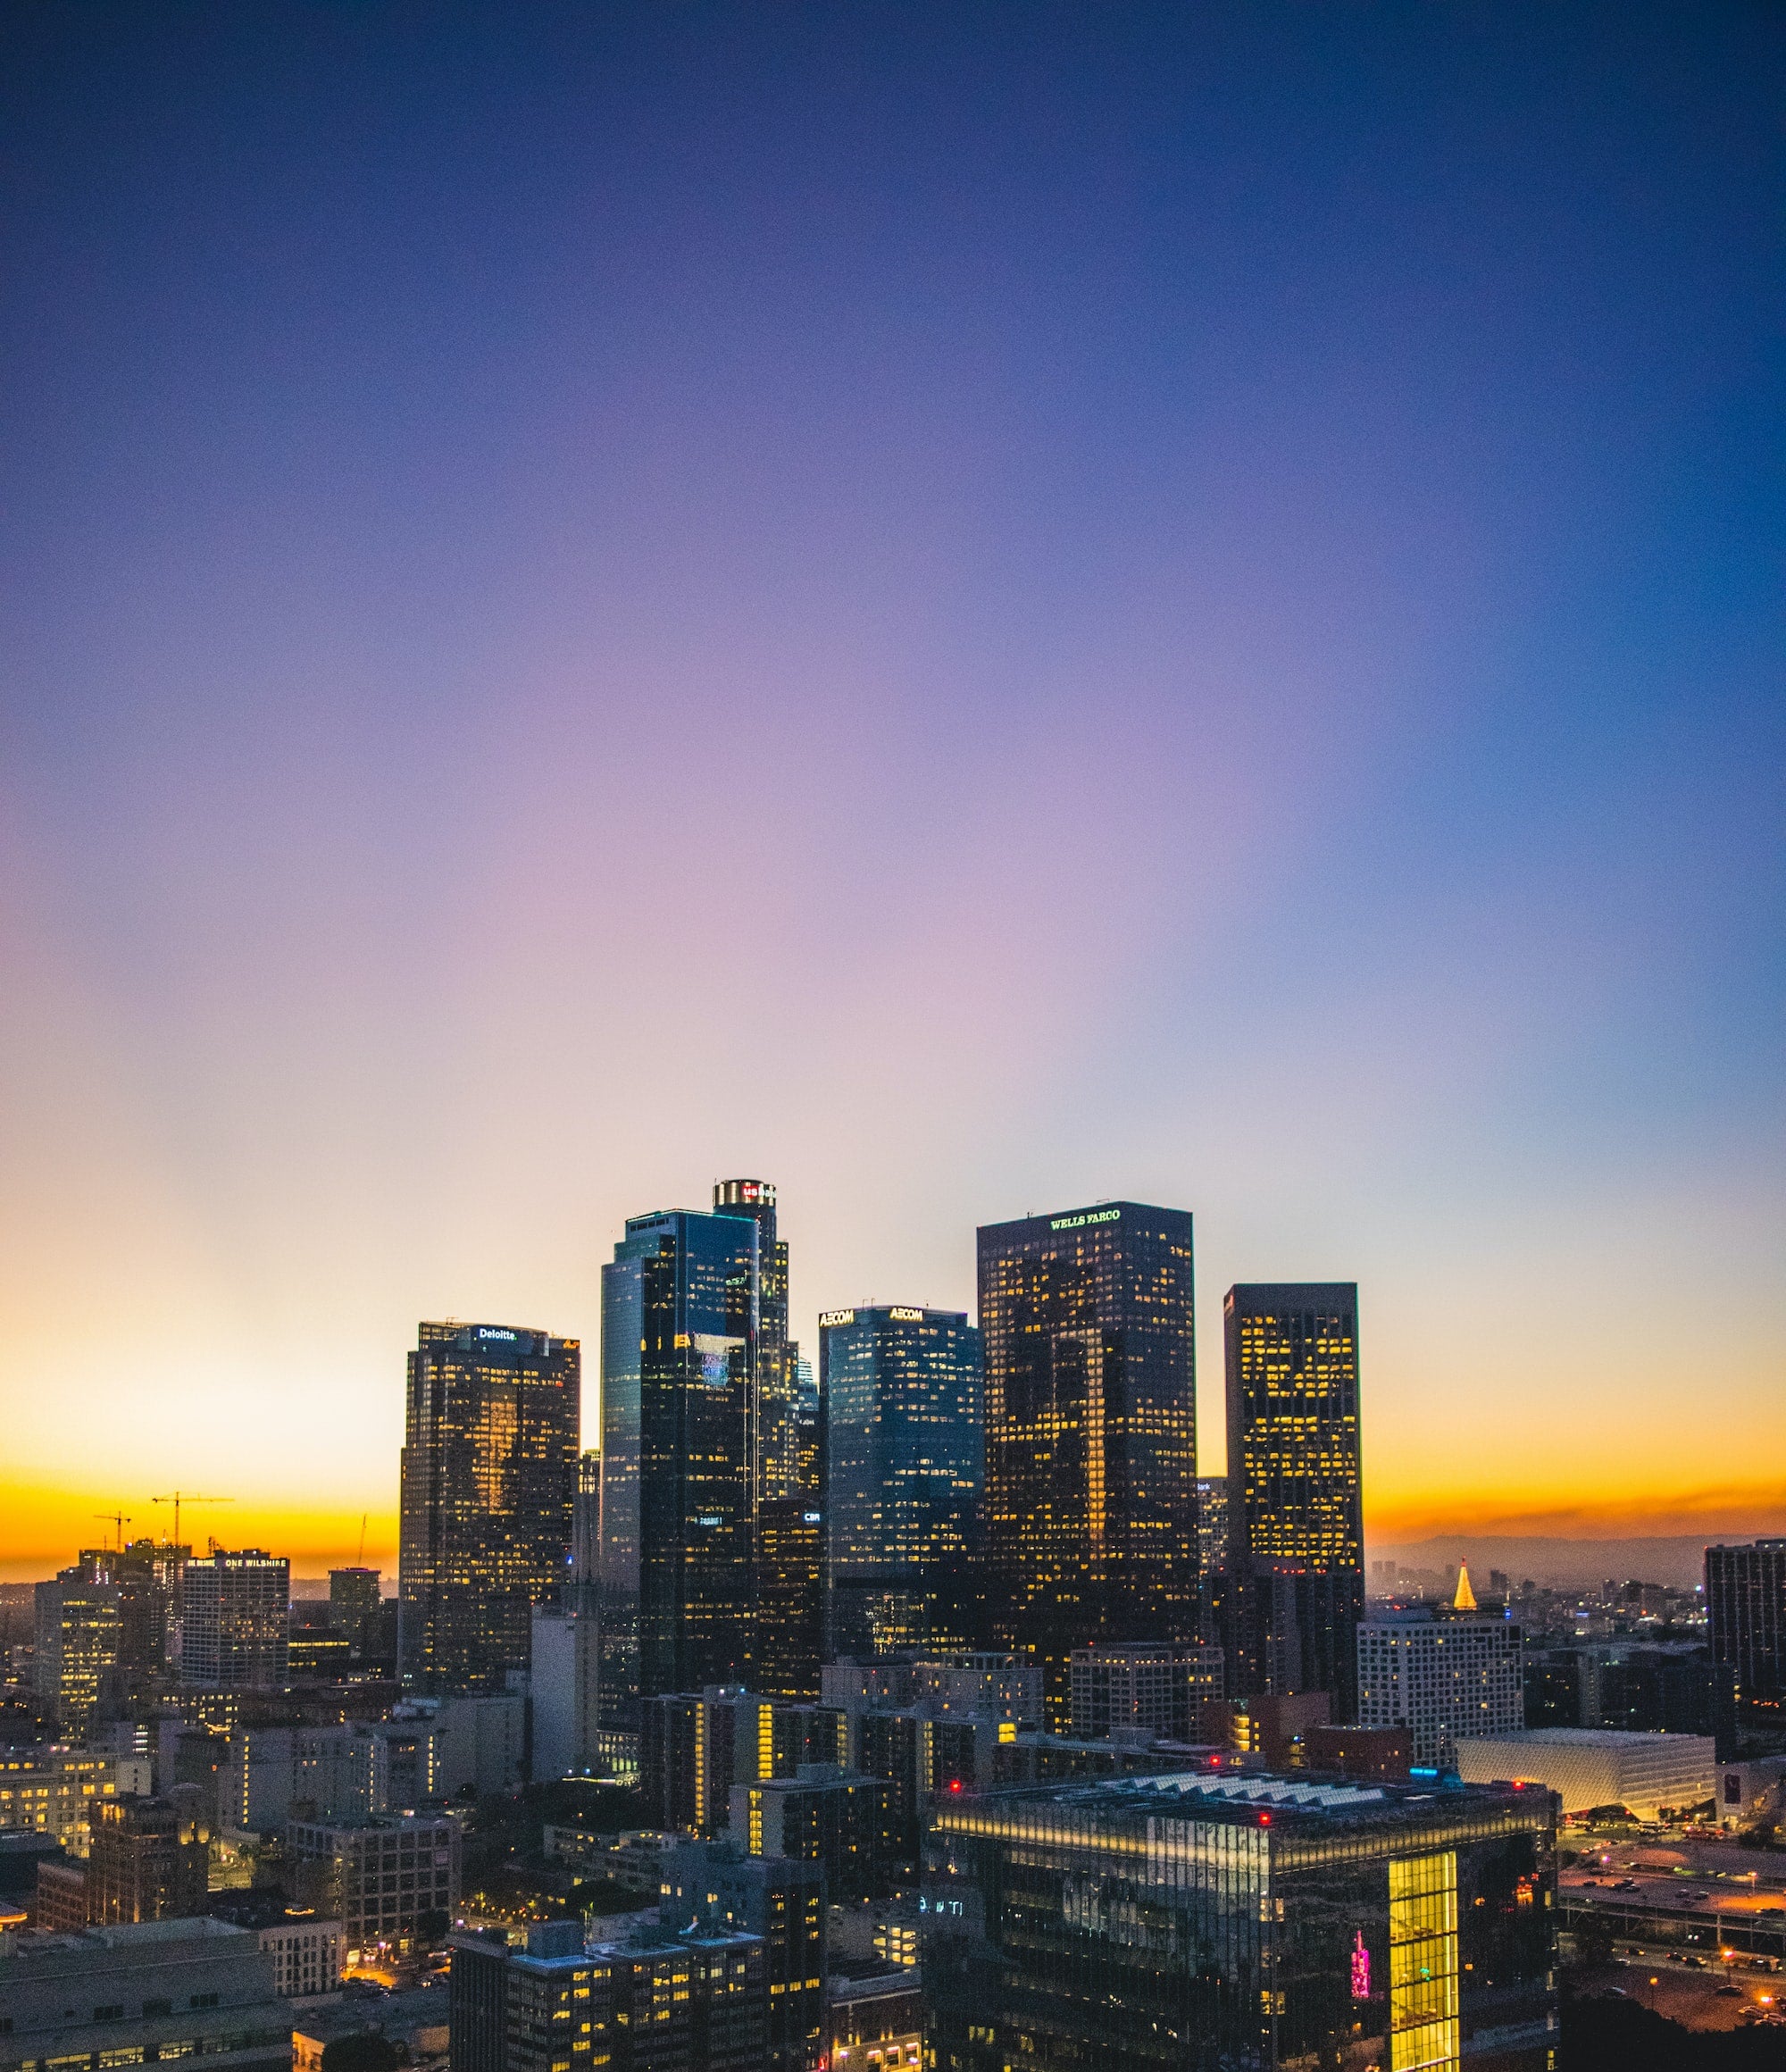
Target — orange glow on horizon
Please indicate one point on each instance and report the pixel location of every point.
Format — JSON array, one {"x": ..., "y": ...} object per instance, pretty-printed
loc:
[{"x": 42, "y": 1529}]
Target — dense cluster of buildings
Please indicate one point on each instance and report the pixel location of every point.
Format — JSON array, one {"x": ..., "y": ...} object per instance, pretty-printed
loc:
[{"x": 939, "y": 1631}]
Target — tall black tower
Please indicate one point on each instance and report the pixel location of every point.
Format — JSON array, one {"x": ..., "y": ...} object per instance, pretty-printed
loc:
[
  {"x": 1088, "y": 1325},
  {"x": 1296, "y": 1535}
]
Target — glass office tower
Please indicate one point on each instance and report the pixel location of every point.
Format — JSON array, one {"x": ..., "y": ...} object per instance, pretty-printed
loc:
[
  {"x": 1197, "y": 1923},
  {"x": 906, "y": 1457},
  {"x": 774, "y": 1444},
  {"x": 490, "y": 1482},
  {"x": 1090, "y": 1510},
  {"x": 1746, "y": 1614},
  {"x": 1295, "y": 1587},
  {"x": 679, "y": 1345}
]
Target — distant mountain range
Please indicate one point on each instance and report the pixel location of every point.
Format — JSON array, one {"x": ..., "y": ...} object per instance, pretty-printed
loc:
[{"x": 1678, "y": 1561}]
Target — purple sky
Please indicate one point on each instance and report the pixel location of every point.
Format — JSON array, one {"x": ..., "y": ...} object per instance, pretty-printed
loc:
[{"x": 965, "y": 609}]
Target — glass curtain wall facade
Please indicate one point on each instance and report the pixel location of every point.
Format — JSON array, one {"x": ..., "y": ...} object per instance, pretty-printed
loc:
[
  {"x": 1295, "y": 1582},
  {"x": 1090, "y": 1508},
  {"x": 679, "y": 1345},
  {"x": 489, "y": 1480},
  {"x": 1240, "y": 1924},
  {"x": 906, "y": 1457},
  {"x": 788, "y": 1614},
  {"x": 1746, "y": 1613}
]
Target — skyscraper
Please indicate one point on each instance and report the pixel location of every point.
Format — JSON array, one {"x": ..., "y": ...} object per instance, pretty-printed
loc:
[
  {"x": 1296, "y": 1544},
  {"x": 678, "y": 1344},
  {"x": 709, "y": 1528},
  {"x": 774, "y": 1472},
  {"x": 1090, "y": 1508},
  {"x": 489, "y": 1478},
  {"x": 906, "y": 1457},
  {"x": 787, "y": 1606}
]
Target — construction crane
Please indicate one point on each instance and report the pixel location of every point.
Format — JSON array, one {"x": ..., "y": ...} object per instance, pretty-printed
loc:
[
  {"x": 180, "y": 1497},
  {"x": 118, "y": 1518}
]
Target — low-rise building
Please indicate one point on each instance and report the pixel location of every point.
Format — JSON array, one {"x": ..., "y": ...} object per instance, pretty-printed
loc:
[
  {"x": 149, "y": 1858},
  {"x": 419, "y": 2022},
  {"x": 632, "y": 1860},
  {"x": 307, "y": 1951},
  {"x": 479, "y": 1744},
  {"x": 377, "y": 1877},
  {"x": 688, "y": 2003},
  {"x": 51, "y": 1790},
  {"x": 1270, "y": 1922},
  {"x": 875, "y": 2023},
  {"x": 142, "y": 1995},
  {"x": 1592, "y": 1766},
  {"x": 1378, "y": 1754}
]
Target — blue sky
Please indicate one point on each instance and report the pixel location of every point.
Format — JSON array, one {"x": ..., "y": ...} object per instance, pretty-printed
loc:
[{"x": 966, "y": 610}]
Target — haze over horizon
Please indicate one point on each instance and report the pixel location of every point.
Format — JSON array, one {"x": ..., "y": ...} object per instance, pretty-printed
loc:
[{"x": 963, "y": 611}]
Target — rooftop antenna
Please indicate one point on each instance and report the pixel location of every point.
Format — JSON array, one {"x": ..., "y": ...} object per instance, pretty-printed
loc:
[
  {"x": 360, "y": 1558},
  {"x": 180, "y": 1497}
]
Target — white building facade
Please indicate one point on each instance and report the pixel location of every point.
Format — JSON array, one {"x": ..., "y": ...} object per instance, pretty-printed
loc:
[
  {"x": 1598, "y": 1766},
  {"x": 1447, "y": 1679}
]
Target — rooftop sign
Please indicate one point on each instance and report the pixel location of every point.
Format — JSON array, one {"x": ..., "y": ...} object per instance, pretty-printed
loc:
[{"x": 1085, "y": 1217}]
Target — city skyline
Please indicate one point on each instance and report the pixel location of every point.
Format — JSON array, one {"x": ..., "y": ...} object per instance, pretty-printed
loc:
[
  {"x": 1719, "y": 1512},
  {"x": 966, "y": 610}
]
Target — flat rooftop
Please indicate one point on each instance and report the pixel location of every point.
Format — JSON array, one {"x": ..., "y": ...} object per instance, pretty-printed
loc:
[{"x": 1291, "y": 1802}]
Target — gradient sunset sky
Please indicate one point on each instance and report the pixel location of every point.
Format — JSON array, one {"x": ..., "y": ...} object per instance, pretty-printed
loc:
[{"x": 964, "y": 608}]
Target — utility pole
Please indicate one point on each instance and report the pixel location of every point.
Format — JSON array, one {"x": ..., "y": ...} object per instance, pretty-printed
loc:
[{"x": 180, "y": 1497}]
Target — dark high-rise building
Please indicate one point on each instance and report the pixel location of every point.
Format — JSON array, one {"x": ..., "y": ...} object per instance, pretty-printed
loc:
[
  {"x": 773, "y": 1441},
  {"x": 145, "y": 1576},
  {"x": 489, "y": 1478},
  {"x": 679, "y": 1346},
  {"x": 787, "y": 1621},
  {"x": 1746, "y": 1609},
  {"x": 715, "y": 1887},
  {"x": 710, "y": 1513},
  {"x": 356, "y": 1603},
  {"x": 1090, "y": 1506},
  {"x": 1294, "y": 1582},
  {"x": 906, "y": 1457},
  {"x": 1241, "y": 1924}
]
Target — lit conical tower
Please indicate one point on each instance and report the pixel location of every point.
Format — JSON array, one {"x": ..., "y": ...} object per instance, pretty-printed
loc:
[{"x": 1465, "y": 1599}]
